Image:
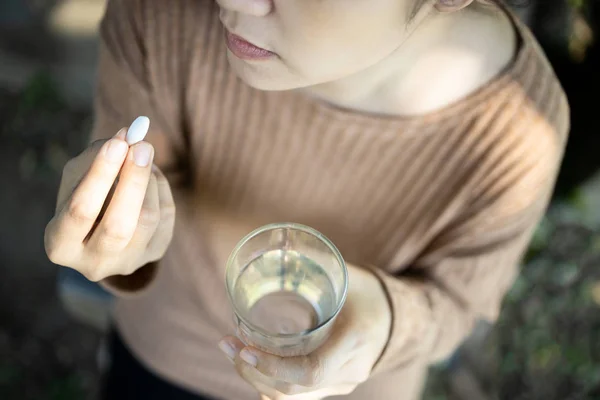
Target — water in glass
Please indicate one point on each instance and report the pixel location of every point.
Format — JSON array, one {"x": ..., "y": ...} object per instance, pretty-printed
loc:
[{"x": 284, "y": 292}]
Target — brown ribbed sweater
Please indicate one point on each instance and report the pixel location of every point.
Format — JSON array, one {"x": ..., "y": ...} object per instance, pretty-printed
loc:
[{"x": 442, "y": 206}]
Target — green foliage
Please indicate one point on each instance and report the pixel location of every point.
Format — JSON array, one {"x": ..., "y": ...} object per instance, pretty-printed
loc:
[
  {"x": 549, "y": 328},
  {"x": 9, "y": 374},
  {"x": 578, "y": 4},
  {"x": 69, "y": 388},
  {"x": 547, "y": 339},
  {"x": 40, "y": 93}
]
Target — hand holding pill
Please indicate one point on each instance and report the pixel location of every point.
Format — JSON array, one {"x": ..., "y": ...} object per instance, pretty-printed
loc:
[{"x": 115, "y": 212}]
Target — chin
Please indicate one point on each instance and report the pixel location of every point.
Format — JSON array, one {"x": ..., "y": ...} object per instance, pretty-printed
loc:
[{"x": 264, "y": 75}]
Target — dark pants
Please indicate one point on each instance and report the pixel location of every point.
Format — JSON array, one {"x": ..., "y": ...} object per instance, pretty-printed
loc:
[{"x": 128, "y": 379}]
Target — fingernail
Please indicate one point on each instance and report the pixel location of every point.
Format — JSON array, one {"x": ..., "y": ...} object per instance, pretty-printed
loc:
[
  {"x": 116, "y": 150},
  {"x": 142, "y": 154},
  {"x": 250, "y": 358},
  {"x": 227, "y": 349}
]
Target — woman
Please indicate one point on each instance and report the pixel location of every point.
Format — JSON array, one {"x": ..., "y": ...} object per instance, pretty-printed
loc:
[{"x": 423, "y": 137}]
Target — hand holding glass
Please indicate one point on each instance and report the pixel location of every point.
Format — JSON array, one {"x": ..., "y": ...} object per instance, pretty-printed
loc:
[{"x": 286, "y": 283}]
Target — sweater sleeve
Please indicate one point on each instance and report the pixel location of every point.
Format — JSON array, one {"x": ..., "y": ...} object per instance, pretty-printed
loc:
[
  {"x": 466, "y": 270},
  {"x": 127, "y": 88}
]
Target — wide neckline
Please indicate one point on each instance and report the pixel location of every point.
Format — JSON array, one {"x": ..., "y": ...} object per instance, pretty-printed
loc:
[{"x": 461, "y": 107}]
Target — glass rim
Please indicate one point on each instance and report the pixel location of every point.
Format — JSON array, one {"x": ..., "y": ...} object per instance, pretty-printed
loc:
[{"x": 302, "y": 228}]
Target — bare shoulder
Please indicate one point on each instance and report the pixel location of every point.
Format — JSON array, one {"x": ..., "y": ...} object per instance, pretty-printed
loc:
[
  {"x": 494, "y": 39},
  {"x": 470, "y": 50}
]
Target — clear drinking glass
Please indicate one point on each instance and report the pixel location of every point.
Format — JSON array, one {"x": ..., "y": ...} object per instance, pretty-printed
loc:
[{"x": 287, "y": 283}]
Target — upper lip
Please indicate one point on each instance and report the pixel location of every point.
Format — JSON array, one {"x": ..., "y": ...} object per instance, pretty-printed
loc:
[
  {"x": 249, "y": 41},
  {"x": 246, "y": 40}
]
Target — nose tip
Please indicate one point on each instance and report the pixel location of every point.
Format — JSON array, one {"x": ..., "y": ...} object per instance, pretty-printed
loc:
[
  {"x": 261, "y": 8},
  {"x": 257, "y": 8}
]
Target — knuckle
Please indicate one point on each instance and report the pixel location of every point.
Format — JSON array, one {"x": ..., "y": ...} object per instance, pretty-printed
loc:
[
  {"x": 58, "y": 250},
  {"x": 93, "y": 274},
  {"x": 100, "y": 265},
  {"x": 115, "y": 236},
  {"x": 79, "y": 212},
  {"x": 55, "y": 255},
  {"x": 155, "y": 252},
  {"x": 168, "y": 212},
  {"x": 270, "y": 369},
  {"x": 130, "y": 269},
  {"x": 149, "y": 218},
  {"x": 363, "y": 378},
  {"x": 348, "y": 389},
  {"x": 50, "y": 246},
  {"x": 138, "y": 182}
]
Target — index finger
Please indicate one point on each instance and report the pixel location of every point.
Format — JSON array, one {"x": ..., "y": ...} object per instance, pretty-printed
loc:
[
  {"x": 119, "y": 223},
  {"x": 78, "y": 216}
]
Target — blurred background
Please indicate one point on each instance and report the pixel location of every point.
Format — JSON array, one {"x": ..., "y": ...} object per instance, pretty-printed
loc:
[{"x": 546, "y": 345}]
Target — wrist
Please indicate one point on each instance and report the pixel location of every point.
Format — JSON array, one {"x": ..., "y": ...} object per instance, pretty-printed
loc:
[
  {"x": 367, "y": 281},
  {"x": 376, "y": 301}
]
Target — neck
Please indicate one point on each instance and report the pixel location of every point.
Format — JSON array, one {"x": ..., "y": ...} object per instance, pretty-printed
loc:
[{"x": 440, "y": 62}]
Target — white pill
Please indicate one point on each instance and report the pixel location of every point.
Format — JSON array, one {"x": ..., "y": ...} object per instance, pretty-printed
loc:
[{"x": 138, "y": 130}]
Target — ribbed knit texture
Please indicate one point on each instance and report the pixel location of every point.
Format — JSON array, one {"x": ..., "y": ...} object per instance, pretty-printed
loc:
[{"x": 440, "y": 206}]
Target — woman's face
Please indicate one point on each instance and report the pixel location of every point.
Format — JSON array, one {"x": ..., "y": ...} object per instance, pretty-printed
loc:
[{"x": 310, "y": 41}]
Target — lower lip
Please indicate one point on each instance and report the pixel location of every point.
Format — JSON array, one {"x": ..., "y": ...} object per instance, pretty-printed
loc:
[{"x": 246, "y": 50}]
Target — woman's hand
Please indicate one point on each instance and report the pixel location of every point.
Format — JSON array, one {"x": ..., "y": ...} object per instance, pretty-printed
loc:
[
  {"x": 343, "y": 362},
  {"x": 115, "y": 212}
]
